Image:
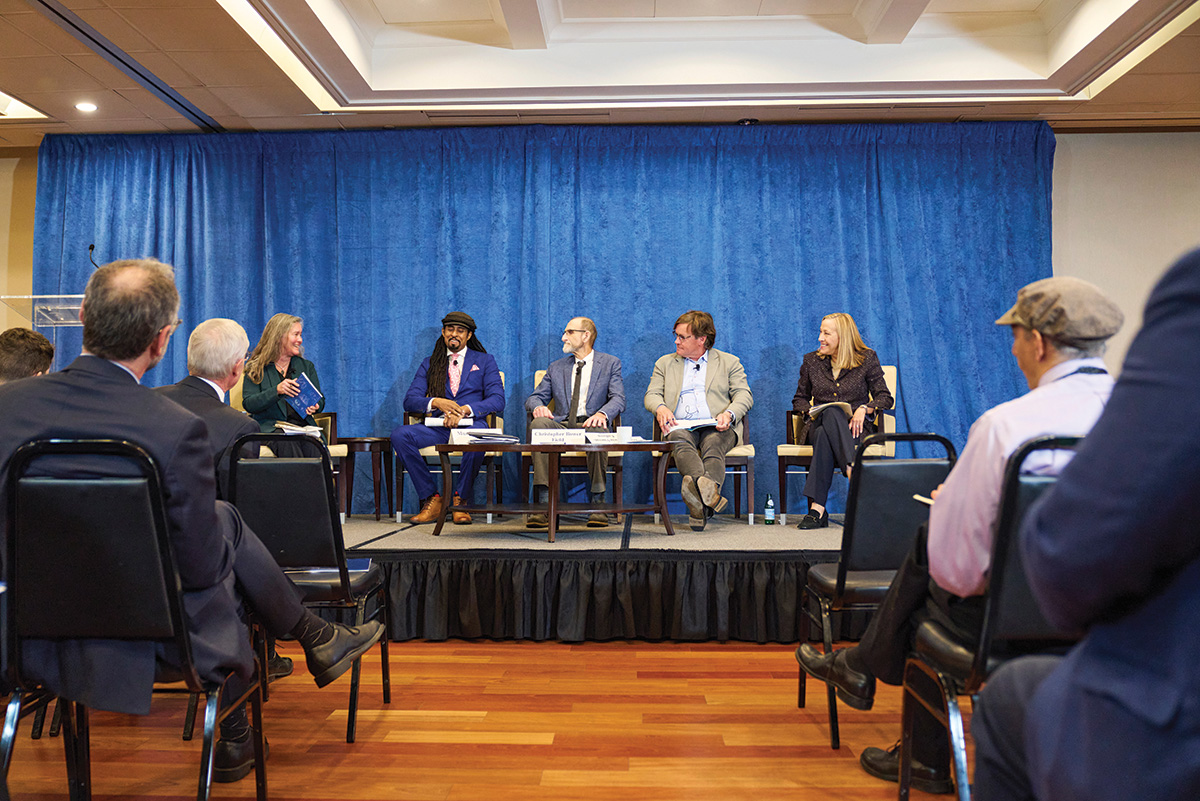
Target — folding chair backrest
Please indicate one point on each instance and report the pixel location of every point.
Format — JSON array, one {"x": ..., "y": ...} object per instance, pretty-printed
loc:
[
  {"x": 89, "y": 557},
  {"x": 882, "y": 517},
  {"x": 1013, "y": 621},
  {"x": 290, "y": 503}
]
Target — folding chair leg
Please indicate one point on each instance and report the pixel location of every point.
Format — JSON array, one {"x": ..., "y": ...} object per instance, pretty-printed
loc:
[
  {"x": 75, "y": 744},
  {"x": 38, "y": 722},
  {"x": 206, "y": 750},
  {"x": 355, "y": 674},
  {"x": 189, "y": 719},
  {"x": 958, "y": 746},
  {"x": 56, "y": 718},
  {"x": 385, "y": 599},
  {"x": 835, "y": 740},
  {"x": 11, "y": 717},
  {"x": 260, "y": 747}
]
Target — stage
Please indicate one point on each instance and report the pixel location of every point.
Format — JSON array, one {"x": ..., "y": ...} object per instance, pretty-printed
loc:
[{"x": 731, "y": 581}]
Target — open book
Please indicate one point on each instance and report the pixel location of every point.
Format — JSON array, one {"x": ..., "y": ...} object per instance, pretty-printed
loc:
[
  {"x": 692, "y": 425},
  {"x": 820, "y": 407}
]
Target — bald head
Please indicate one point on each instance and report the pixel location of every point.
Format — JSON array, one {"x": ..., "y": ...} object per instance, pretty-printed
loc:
[{"x": 126, "y": 304}]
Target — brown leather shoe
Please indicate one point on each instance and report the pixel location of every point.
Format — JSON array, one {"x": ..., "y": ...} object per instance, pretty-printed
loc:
[
  {"x": 431, "y": 510},
  {"x": 460, "y": 518}
]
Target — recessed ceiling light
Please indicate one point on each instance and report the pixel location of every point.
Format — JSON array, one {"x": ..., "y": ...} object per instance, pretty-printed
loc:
[{"x": 86, "y": 106}]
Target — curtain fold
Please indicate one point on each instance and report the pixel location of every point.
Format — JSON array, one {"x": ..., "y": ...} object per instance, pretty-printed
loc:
[{"x": 922, "y": 232}]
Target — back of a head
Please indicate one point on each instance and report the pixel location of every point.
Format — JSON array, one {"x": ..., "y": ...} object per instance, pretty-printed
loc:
[
  {"x": 23, "y": 353},
  {"x": 215, "y": 346},
  {"x": 125, "y": 305}
]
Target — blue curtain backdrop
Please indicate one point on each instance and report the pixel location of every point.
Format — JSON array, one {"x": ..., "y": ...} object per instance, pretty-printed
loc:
[{"x": 922, "y": 232}]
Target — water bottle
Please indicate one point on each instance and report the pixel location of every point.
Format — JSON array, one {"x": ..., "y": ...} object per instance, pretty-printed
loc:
[{"x": 769, "y": 512}]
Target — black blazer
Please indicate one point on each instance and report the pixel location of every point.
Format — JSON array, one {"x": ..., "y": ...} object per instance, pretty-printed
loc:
[
  {"x": 93, "y": 397},
  {"x": 225, "y": 424}
]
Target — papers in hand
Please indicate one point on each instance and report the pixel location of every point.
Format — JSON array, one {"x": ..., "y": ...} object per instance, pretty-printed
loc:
[
  {"x": 309, "y": 431},
  {"x": 309, "y": 396},
  {"x": 820, "y": 407},
  {"x": 692, "y": 425},
  {"x": 440, "y": 422}
]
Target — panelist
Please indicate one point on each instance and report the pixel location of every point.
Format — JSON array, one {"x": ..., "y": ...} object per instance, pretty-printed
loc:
[
  {"x": 1059, "y": 329},
  {"x": 700, "y": 396},
  {"x": 587, "y": 391},
  {"x": 272, "y": 372},
  {"x": 842, "y": 369},
  {"x": 23, "y": 354},
  {"x": 458, "y": 381}
]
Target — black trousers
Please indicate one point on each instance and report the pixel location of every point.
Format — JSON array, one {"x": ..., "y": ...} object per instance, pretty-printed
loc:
[
  {"x": 833, "y": 449},
  {"x": 911, "y": 599},
  {"x": 998, "y": 727}
]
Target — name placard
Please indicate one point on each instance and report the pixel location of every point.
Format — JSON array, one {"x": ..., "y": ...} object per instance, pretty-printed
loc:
[
  {"x": 564, "y": 436},
  {"x": 603, "y": 437},
  {"x": 462, "y": 436}
]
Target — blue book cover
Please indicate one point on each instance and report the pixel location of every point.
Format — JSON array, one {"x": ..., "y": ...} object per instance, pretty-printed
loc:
[{"x": 309, "y": 395}]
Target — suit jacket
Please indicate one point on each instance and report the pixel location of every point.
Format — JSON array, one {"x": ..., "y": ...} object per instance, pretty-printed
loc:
[
  {"x": 480, "y": 387},
  {"x": 224, "y": 423},
  {"x": 1113, "y": 549},
  {"x": 92, "y": 398},
  {"x": 266, "y": 405},
  {"x": 606, "y": 390},
  {"x": 725, "y": 386}
]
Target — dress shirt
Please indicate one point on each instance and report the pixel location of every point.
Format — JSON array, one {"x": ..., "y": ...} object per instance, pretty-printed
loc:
[
  {"x": 692, "y": 394},
  {"x": 585, "y": 382},
  {"x": 1066, "y": 403},
  {"x": 450, "y": 356},
  {"x": 220, "y": 392}
]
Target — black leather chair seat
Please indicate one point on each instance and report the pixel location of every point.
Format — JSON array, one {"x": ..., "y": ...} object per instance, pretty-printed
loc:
[
  {"x": 862, "y": 586},
  {"x": 942, "y": 652},
  {"x": 322, "y": 585}
]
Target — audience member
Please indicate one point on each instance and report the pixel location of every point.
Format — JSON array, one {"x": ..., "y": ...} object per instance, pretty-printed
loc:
[
  {"x": 459, "y": 381},
  {"x": 700, "y": 396},
  {"x": 1059, "y": 329},
  {"x": 1112, "y": 550},
  {"x": 129, "y": 314},
  {"x": 24, "y": 353},
  {"x": 587, "y": 391}
]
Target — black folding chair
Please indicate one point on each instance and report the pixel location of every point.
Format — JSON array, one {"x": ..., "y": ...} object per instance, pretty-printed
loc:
[
  {"x": 1013, "y": 625},
  {"x": 290, "y": 504},
  {"x": 91, "y": 558},
  {"x": 881, "y": 523}
]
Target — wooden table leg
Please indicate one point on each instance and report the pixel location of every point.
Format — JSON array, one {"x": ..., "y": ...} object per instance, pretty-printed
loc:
[
  {"x": 375, "y": 455},
  {"x": 660, "y": 494},
  {"x": 347, "y": 481},
  {"x": 553, "y": 478},
  {"x": 388, "y": 471}
]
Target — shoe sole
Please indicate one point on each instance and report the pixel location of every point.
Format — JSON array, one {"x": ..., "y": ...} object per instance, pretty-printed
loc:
[
  {"x": 458, "y": 521},
  {"x": 931, "y": 786},
  {"x": 710, "y": 493},
  {"x": 697, "y": 523},
  {"x": 331, "y": 673},
  {"x": 691, "y": 497},
  {"x": 597, "y": 523},
  {"x": 539, "y": 524}
]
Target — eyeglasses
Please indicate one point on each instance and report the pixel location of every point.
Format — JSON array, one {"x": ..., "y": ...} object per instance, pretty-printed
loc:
[
  {"x": 573, "y": 331},
  {"x": 681, "y": 338},
  {"x": 173, "y": 325}
]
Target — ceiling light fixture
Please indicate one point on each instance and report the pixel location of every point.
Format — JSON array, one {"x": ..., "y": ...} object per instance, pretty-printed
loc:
[{"x": 86, "y": 106}]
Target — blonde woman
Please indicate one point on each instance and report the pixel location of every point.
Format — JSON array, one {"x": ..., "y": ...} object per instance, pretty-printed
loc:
[
  {"x": 271, "y": 373},
  {"x": 841, "y": 369}
]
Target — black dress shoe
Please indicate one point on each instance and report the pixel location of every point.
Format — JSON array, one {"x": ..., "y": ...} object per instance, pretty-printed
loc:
[
  {"x": 811, "y": 520},
  {"x": 886, "y": 765},
  {"x": 233, "y": 759},
  {"x": 331, "y": 659},
  {"x": 278, "y": 667},
  {"x": 855, "y": 689}
]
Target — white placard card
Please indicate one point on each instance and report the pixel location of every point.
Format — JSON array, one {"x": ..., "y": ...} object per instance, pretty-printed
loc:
[
  {"x": 462, "y": 436},
  {"x": 603, "y": 437},
  {"x": 559, "y": 436}
]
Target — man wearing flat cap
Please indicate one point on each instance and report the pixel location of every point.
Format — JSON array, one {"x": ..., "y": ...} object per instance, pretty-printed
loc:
[
  {"x": 1059, "y": 330},
  {"x": 459, "y": 380}
]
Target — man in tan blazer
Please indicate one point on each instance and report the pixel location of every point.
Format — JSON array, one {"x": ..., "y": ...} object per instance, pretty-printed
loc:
[{"x": 698, "y": 383}]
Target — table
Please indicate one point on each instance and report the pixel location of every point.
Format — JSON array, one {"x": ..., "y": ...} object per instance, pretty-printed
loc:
[
  {"x": 380, "y": 449},
  {"x": 555, "y": 508}
]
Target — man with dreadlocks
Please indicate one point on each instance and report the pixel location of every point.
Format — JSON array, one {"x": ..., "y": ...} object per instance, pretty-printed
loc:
[{"x": 459, "y": 379}]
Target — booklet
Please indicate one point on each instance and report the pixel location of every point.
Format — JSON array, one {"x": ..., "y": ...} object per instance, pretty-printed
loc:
[
  {"x": 692, "y": 425},
  {"x": 288, "y": 428},
  {"x": 820, "y": 407},
  {"x": 440, "y": 422},
  {"x": 309, "y": 396}
]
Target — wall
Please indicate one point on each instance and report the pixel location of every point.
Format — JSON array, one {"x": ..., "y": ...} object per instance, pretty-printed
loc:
[
  {"x": 1125, "y": 207},
  {"x": 18, "y": 179}
]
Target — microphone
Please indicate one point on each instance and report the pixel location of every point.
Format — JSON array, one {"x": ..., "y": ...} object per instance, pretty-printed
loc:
[
  {"x": 697, "y": 367},
  {"x": 92, "y": 247}
]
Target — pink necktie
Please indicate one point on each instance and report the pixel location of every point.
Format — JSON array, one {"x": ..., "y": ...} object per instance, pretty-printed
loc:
[{"x": 455, "y": 376}]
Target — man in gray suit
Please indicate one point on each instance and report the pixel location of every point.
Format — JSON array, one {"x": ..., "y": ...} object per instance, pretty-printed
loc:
[
  {"x": 587, "y": 391},
  {"x": 695, "y": 383}
]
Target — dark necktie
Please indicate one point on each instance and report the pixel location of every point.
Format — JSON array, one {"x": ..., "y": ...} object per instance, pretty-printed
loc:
[{"x": 574, "y": 407}]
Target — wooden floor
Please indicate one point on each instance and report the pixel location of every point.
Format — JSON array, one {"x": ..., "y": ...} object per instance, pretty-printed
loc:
[{"x": 514, "y": 720}]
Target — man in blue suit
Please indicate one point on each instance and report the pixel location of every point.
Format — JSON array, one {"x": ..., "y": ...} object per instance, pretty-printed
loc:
[
  {"x": 1113, "y": 550},
  {"x": 587, "y": 391},
  {"x": 459, "y": 380}
]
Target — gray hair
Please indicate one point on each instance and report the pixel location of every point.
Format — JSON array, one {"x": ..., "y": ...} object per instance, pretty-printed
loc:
[
  {"x": 1083, "y": 349},
  {"x": 215, "y": 347}
]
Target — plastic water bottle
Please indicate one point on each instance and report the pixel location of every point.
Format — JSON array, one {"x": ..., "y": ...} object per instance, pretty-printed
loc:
[{"x": 769, "y": 512}]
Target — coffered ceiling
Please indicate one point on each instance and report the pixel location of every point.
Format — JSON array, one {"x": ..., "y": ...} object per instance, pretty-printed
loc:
[{"x": 239, "y": 65}]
